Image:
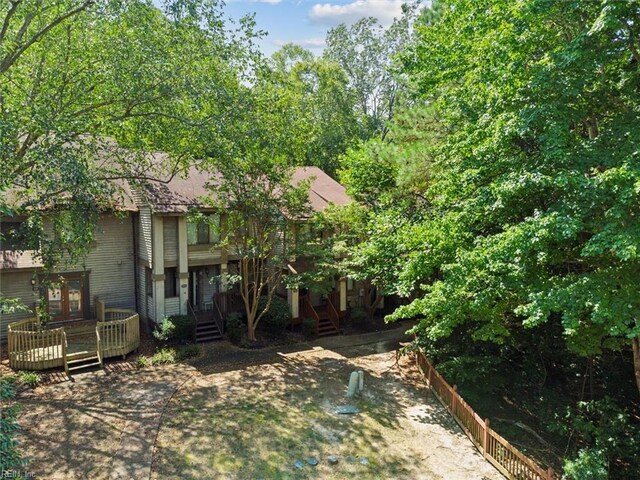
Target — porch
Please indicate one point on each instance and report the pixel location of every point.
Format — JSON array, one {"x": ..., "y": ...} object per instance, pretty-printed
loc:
[{"x": 32, "y": 346}]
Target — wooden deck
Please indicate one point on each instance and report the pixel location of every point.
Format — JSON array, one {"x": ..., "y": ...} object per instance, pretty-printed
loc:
[{"x": 116, "y": 332}]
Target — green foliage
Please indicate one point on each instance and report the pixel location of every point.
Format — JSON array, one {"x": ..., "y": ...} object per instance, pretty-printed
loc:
[
  {"x": 185, "y": 352},
  {"x": 590, "y": 463},
  {"x": 164, "y": 356},
  {"x": 530, "y": 208},
  {"x": 358, "y": 316},
  {"x": 366, "y": 176},
  {"x": 609, "y": 431},
  {"x": 184, "y": 328},
  {"x": 475, "y": 372},
  {"x": 235, "y": 327},
  {"x": 87, "y": 88},
  {"x": 143, "y": 361},
  {"x": 10, "y": 458},
  {"x": 366, "y": 52},
  {"x": 308, "y": 327},
  {"x": 31, "y": 379},
  {"x": 165, "y": 331},
  {"x": 278, "y": 316}
]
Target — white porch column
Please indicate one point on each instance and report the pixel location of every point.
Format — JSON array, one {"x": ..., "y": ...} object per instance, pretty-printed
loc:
[
  {"x": 158, "y": 267},
  {"x": 183, "y": 264},
  {"x": 293, "y": 297},
  {"x": 343, "y": 294}
]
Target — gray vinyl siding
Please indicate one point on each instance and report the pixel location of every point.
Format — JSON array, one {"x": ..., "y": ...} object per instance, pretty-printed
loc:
[
  {"x": 170, "y": 228},
  {"x": 142, "y": 292},
  {"x": 16, "y": 285},
  {"x": 172, "y": 306},
  {"x": 151, "y": 309},
  {"x": 109, "y": 264},
  {"x": 145, "y": 237}
]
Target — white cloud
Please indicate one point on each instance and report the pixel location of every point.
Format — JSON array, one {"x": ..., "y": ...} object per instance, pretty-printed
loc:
[
  {"x": 332, "y": 14},
  {"x": 311, "y": 43}
]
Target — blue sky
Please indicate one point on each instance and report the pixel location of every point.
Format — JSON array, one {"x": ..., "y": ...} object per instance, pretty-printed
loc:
[{"x": 306, "y": 22}]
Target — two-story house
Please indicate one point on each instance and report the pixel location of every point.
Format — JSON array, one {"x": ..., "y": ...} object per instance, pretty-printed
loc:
[{"x": 150, "y": 257}]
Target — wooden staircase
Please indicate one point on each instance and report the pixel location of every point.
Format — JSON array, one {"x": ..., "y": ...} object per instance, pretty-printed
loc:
[
  {"x": 207, "y": 331},
  {"x": 79, "y": 361},
  {"x": 325, "y": 325},
  {"x": 326, "y": 317}
]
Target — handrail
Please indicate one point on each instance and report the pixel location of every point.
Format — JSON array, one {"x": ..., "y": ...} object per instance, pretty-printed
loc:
[
  {"x": 195, "y": 327},
  {"x": 99, "y": 345},
  {"x": 219, "y": 319},
  {"x": 333, "y": 314},
  {"x": 310, "y": 312},
  {"x": 64, "y": 352}
]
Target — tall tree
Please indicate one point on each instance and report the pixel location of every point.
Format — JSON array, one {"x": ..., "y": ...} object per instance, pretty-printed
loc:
[
  {"x": 366, "y": 51},
  {"x": 315, "y": 99},
  {"x": 533, "y": 192},
  {"x": 261, "y": 206},
  {"x": 80, "y": 81}
]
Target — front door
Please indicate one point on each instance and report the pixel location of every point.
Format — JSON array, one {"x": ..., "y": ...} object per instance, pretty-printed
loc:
[{"x": 66, "y": 298}]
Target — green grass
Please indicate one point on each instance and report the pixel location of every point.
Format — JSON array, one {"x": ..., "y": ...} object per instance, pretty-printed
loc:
[{"x": 31, "y": 379}]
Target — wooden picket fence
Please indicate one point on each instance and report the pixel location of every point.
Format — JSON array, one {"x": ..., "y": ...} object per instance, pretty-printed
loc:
[{"x": 505, "y": 457}]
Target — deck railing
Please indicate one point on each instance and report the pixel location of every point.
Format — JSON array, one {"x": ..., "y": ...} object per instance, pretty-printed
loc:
[
  {"x": 34, "y": 347},
  {"x": 504, "y": 456},
  {"x": 119, "y": 334},
  {"x": 334, "y": 316},
  {"x": 309, "y": 312},
  {"x": 31, "y": 347}
]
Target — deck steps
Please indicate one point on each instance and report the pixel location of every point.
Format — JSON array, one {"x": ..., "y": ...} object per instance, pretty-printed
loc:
[
  {"x": 82, "y": 361},
  {"x": 325, "y": 326},
  {"x": 207, "y": 332}
]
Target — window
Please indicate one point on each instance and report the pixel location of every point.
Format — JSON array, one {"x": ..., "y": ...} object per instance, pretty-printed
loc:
[
  {"x": 205, "y": 232},
  {"x": 170, "y": 282},
  {"x": 11, "y": 237}
]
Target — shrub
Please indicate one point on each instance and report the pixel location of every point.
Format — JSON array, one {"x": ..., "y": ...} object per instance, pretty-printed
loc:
[
  {"x": 590, "y": 463},
  {"x": 235, "y": 328},
  {"x": 278, "y": 317},
  {"x": 164, "y": 331},
  {"x": 143, "y": 361},
  {"x": 188, "y": 351},
  {"x": 184, "y": 328},
  {"x": 308, "y": 327},
  {"x": 10, "y": 459},
  {"x": 32, "y": 379},
  {"x": 164, "y": 356},
  {"x": 358, "y": 317}
]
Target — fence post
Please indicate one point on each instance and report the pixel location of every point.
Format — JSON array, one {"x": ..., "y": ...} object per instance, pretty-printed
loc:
[
  {"x": 486, "y": 437},
  {"x": 453, "y": 400},
  {"x": 550, "y": 473},
  {"x": 430, "y": 375}
]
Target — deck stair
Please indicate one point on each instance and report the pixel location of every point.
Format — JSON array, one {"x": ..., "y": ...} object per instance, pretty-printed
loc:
[
  {"x": 325, "y": 325},
  {"x": 82, "y": 361},
  {"x": 207, "y": 331}
]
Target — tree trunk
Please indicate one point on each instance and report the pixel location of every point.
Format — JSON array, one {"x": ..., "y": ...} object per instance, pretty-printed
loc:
[
  {"x": 251, "y": 331},
  {"x": 636, "y": 360},
  {"x": 371, "y": 305}
]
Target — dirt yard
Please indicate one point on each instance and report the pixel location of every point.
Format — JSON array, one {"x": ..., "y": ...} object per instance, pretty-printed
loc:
[{"x": 255, "y": 421}]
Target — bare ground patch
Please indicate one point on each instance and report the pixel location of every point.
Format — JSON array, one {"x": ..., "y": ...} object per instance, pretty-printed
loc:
[{"x": 256, "y": 422}]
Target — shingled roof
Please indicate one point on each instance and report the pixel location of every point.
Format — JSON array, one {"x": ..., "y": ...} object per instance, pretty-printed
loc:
[{"x": 185, "y": 191}]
